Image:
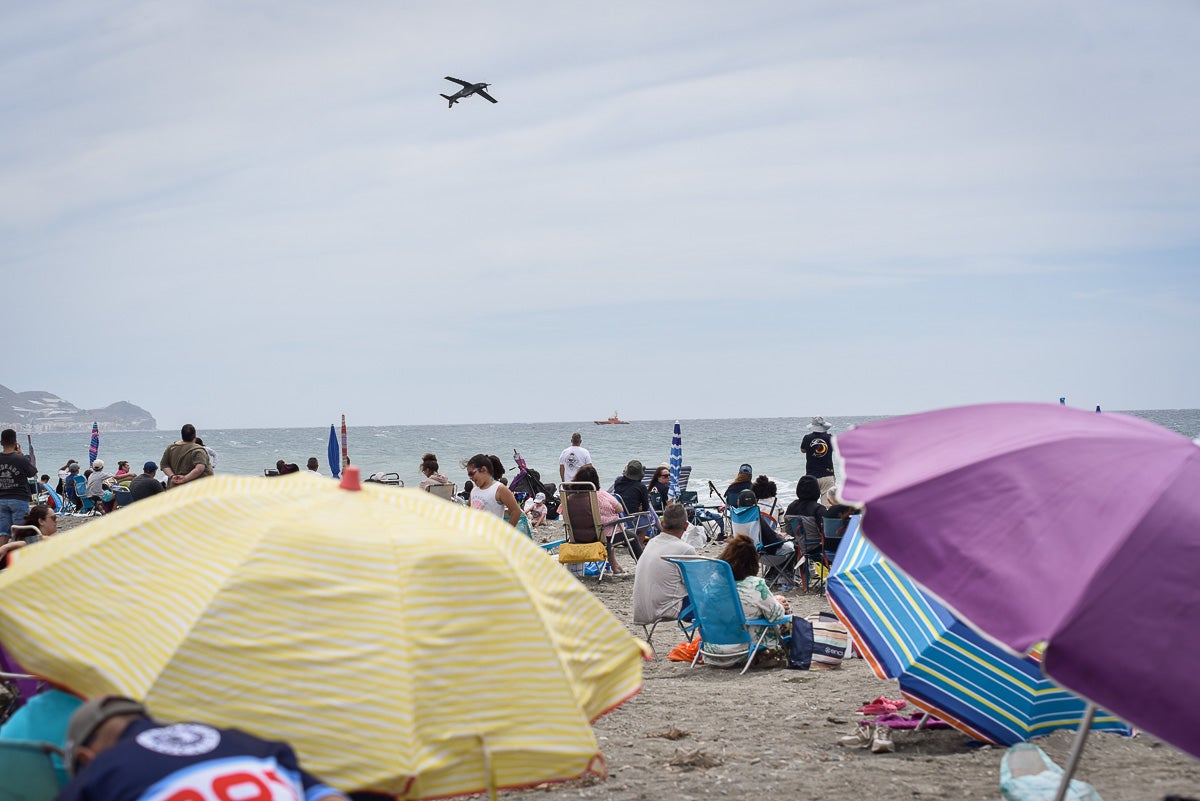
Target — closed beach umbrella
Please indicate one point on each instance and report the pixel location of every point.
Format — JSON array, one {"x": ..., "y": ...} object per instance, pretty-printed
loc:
[
  {"x": 333, "y": 454},
  {"x": 1038, "y": 523},
  {"x": 402, "y": 644},
  {"x": 94, "y": 447},
  {"x": 944, "y": 667},
  {"x": 345, "y": 453},
  {"x": 676, "y": 463}
]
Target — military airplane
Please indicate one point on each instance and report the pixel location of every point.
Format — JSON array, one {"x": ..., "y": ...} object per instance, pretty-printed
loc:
[{"x": 467, "y": 90}]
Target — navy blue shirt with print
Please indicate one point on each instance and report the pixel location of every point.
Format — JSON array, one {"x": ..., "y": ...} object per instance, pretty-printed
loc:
[
  {"x": 817, "y": 448},
  {"x": 193, "y": 762}
]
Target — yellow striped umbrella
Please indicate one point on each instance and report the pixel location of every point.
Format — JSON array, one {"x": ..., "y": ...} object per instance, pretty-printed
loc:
[{"x": 400, "y": 643}]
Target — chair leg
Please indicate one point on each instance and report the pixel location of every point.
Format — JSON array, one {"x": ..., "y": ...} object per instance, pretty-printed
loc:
[
  {"x": 754, "y": 648},
  {"x": 649, "y": 632}
]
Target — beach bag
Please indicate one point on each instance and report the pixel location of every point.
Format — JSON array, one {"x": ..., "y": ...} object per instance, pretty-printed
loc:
[
  {"x": 523, "y": 526},
  {"x": 582, "y": 552},
  {"x": 830, "y": 640},
  {"x": 819, "y": 642}
]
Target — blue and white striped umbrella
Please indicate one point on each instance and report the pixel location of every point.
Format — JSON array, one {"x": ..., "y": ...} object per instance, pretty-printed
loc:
[
  {"x": 945, "y": 667},
  {"x": 676, "y": 462}
]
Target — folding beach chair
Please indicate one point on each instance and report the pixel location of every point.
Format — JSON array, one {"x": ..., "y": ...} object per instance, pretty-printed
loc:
[
  {"x": 718, "y": 609},
  {"x": 809, "y": 536},
  {"x": 28, "y": 771},
  {"x": 686, "y": 620},
  {"x": 582, "y": 525},
  {"x": 447, "y": 491},
  {"x": 634, "y": 525},
  {"x": 121, "y": 496}
]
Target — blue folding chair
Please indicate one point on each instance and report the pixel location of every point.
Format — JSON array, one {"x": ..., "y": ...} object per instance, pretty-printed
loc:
[
  {"x": 718, "y": 609},
  {"x": 28, "y": 771}
]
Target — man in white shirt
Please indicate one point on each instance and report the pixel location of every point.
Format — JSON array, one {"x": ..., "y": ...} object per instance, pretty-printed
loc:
[
  {"x": 573, "y": 458},
  {"x": 658, "y": 589}
]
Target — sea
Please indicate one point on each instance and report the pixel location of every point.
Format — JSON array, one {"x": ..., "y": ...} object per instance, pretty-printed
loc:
[{"x": 714, "y": 448}]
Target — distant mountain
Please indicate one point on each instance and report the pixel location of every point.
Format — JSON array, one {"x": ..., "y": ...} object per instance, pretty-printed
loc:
[{"x": 37, "y": 411}]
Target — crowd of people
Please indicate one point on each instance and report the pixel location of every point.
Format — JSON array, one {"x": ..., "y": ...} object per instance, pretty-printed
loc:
[{"x": 112, "y": 731}]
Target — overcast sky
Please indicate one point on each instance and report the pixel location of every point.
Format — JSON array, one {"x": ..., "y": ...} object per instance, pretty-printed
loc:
[{"x": 262, "y": 214}]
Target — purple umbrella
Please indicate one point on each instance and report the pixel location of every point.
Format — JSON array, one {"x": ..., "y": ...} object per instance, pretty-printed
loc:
[
  {"x": 1040, "y": 523},
  {"x": 94, "y": 448}
]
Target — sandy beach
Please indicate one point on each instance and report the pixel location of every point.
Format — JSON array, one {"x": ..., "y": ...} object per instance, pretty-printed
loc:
[{"x": 772, "y": 733}]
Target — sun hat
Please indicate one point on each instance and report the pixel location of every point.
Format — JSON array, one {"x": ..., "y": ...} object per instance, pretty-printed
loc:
[
  {"x": 634, "y": 469},
  {"x": 90, "y": 717},
  {"x": 819, "y": 424},
  {"x": 98, "y": 464},
  {"x": 149, "y": 467},
  {"x": 540, "y": 497}
]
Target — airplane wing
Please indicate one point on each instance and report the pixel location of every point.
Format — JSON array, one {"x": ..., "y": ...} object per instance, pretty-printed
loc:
[
  {"x": 461, "y": 83},
  {"x": 484, "y": 94}
]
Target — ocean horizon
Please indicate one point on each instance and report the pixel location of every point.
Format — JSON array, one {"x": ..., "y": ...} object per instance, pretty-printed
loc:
[{"x": 713, "y": 447}]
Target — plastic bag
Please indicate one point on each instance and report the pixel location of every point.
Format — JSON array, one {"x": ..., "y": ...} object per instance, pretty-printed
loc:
[{"x": 695, "y": 537}]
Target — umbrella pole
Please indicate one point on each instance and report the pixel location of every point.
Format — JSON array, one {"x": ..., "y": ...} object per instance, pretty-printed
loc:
[
  {"x": 487, "y": 769},
  {"x": 923, "y": 721},
  {"x": 1085, "y": 726}
]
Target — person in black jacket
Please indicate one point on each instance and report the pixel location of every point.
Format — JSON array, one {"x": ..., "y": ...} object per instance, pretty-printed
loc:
[
  {"x": 809, "y": 509},
  {"x": 636, "y": 497}
]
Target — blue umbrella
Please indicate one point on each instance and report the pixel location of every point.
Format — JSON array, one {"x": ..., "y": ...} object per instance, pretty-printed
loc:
[
  {"x": 94, "y": 448},
  {"x": 676, "y": 462},
  {"x": 334, "y": 454},
  {"x": 944, "y": 667}
]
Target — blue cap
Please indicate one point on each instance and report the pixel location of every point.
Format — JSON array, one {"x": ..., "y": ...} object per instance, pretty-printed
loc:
[{"x": 149, "y": 467}]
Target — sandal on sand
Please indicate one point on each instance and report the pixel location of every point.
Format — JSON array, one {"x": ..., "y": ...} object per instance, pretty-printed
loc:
[
  {"x": 881, "y": 706},
  {"x": 1027, "y": 774}
]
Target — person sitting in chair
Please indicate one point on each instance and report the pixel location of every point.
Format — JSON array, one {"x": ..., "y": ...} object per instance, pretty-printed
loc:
[
  {"x": 660, "y": 487},
  {"x": 610, "y": 511},
  {"x": 809, "y": 509},
  {"x": 757, "y": 602},
  {"x": 99, "y": 484},
  {"x": 429, "y": 469},
  {"x": 658, "y": 591},
  {"x": 636, "y": 498},
  {"x": 743, "y": 481}
]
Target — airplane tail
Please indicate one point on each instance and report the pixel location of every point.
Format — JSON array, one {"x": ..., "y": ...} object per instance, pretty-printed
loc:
[{"x": 451, "y": 99}]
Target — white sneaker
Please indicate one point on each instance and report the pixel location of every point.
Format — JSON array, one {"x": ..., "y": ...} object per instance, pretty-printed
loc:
[
  {"x": 882, "y": 743},
  {"x": 861, "y": 738}
]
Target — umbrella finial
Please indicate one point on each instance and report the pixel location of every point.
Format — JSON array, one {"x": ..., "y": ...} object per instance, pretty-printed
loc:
[{"x": 350, "y": 479}]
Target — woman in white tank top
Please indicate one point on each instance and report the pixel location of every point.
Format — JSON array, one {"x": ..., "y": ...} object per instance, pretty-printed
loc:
[{"x": 489, "y": 495}]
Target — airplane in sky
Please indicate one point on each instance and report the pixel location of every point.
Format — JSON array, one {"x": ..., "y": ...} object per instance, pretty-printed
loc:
[{"x": 467, "y": 90}]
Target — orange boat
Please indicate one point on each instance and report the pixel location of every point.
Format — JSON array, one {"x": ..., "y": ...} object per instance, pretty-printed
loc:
[{"x": 612, "y": 421}]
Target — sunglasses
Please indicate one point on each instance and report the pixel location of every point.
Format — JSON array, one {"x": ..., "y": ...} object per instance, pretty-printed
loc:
[{"x": 471, "y": 471}]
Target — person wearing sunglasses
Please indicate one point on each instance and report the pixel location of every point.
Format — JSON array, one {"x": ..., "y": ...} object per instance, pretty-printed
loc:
[{"x": 489, "y": 495}]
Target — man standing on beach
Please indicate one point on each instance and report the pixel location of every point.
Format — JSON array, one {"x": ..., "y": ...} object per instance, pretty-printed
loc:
[
  {"x": 185, "y": 460},
  {"x": 15, "y": 472},
  {"x": 817, "y": 447},
  {"x": 573, "y": 458}
]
